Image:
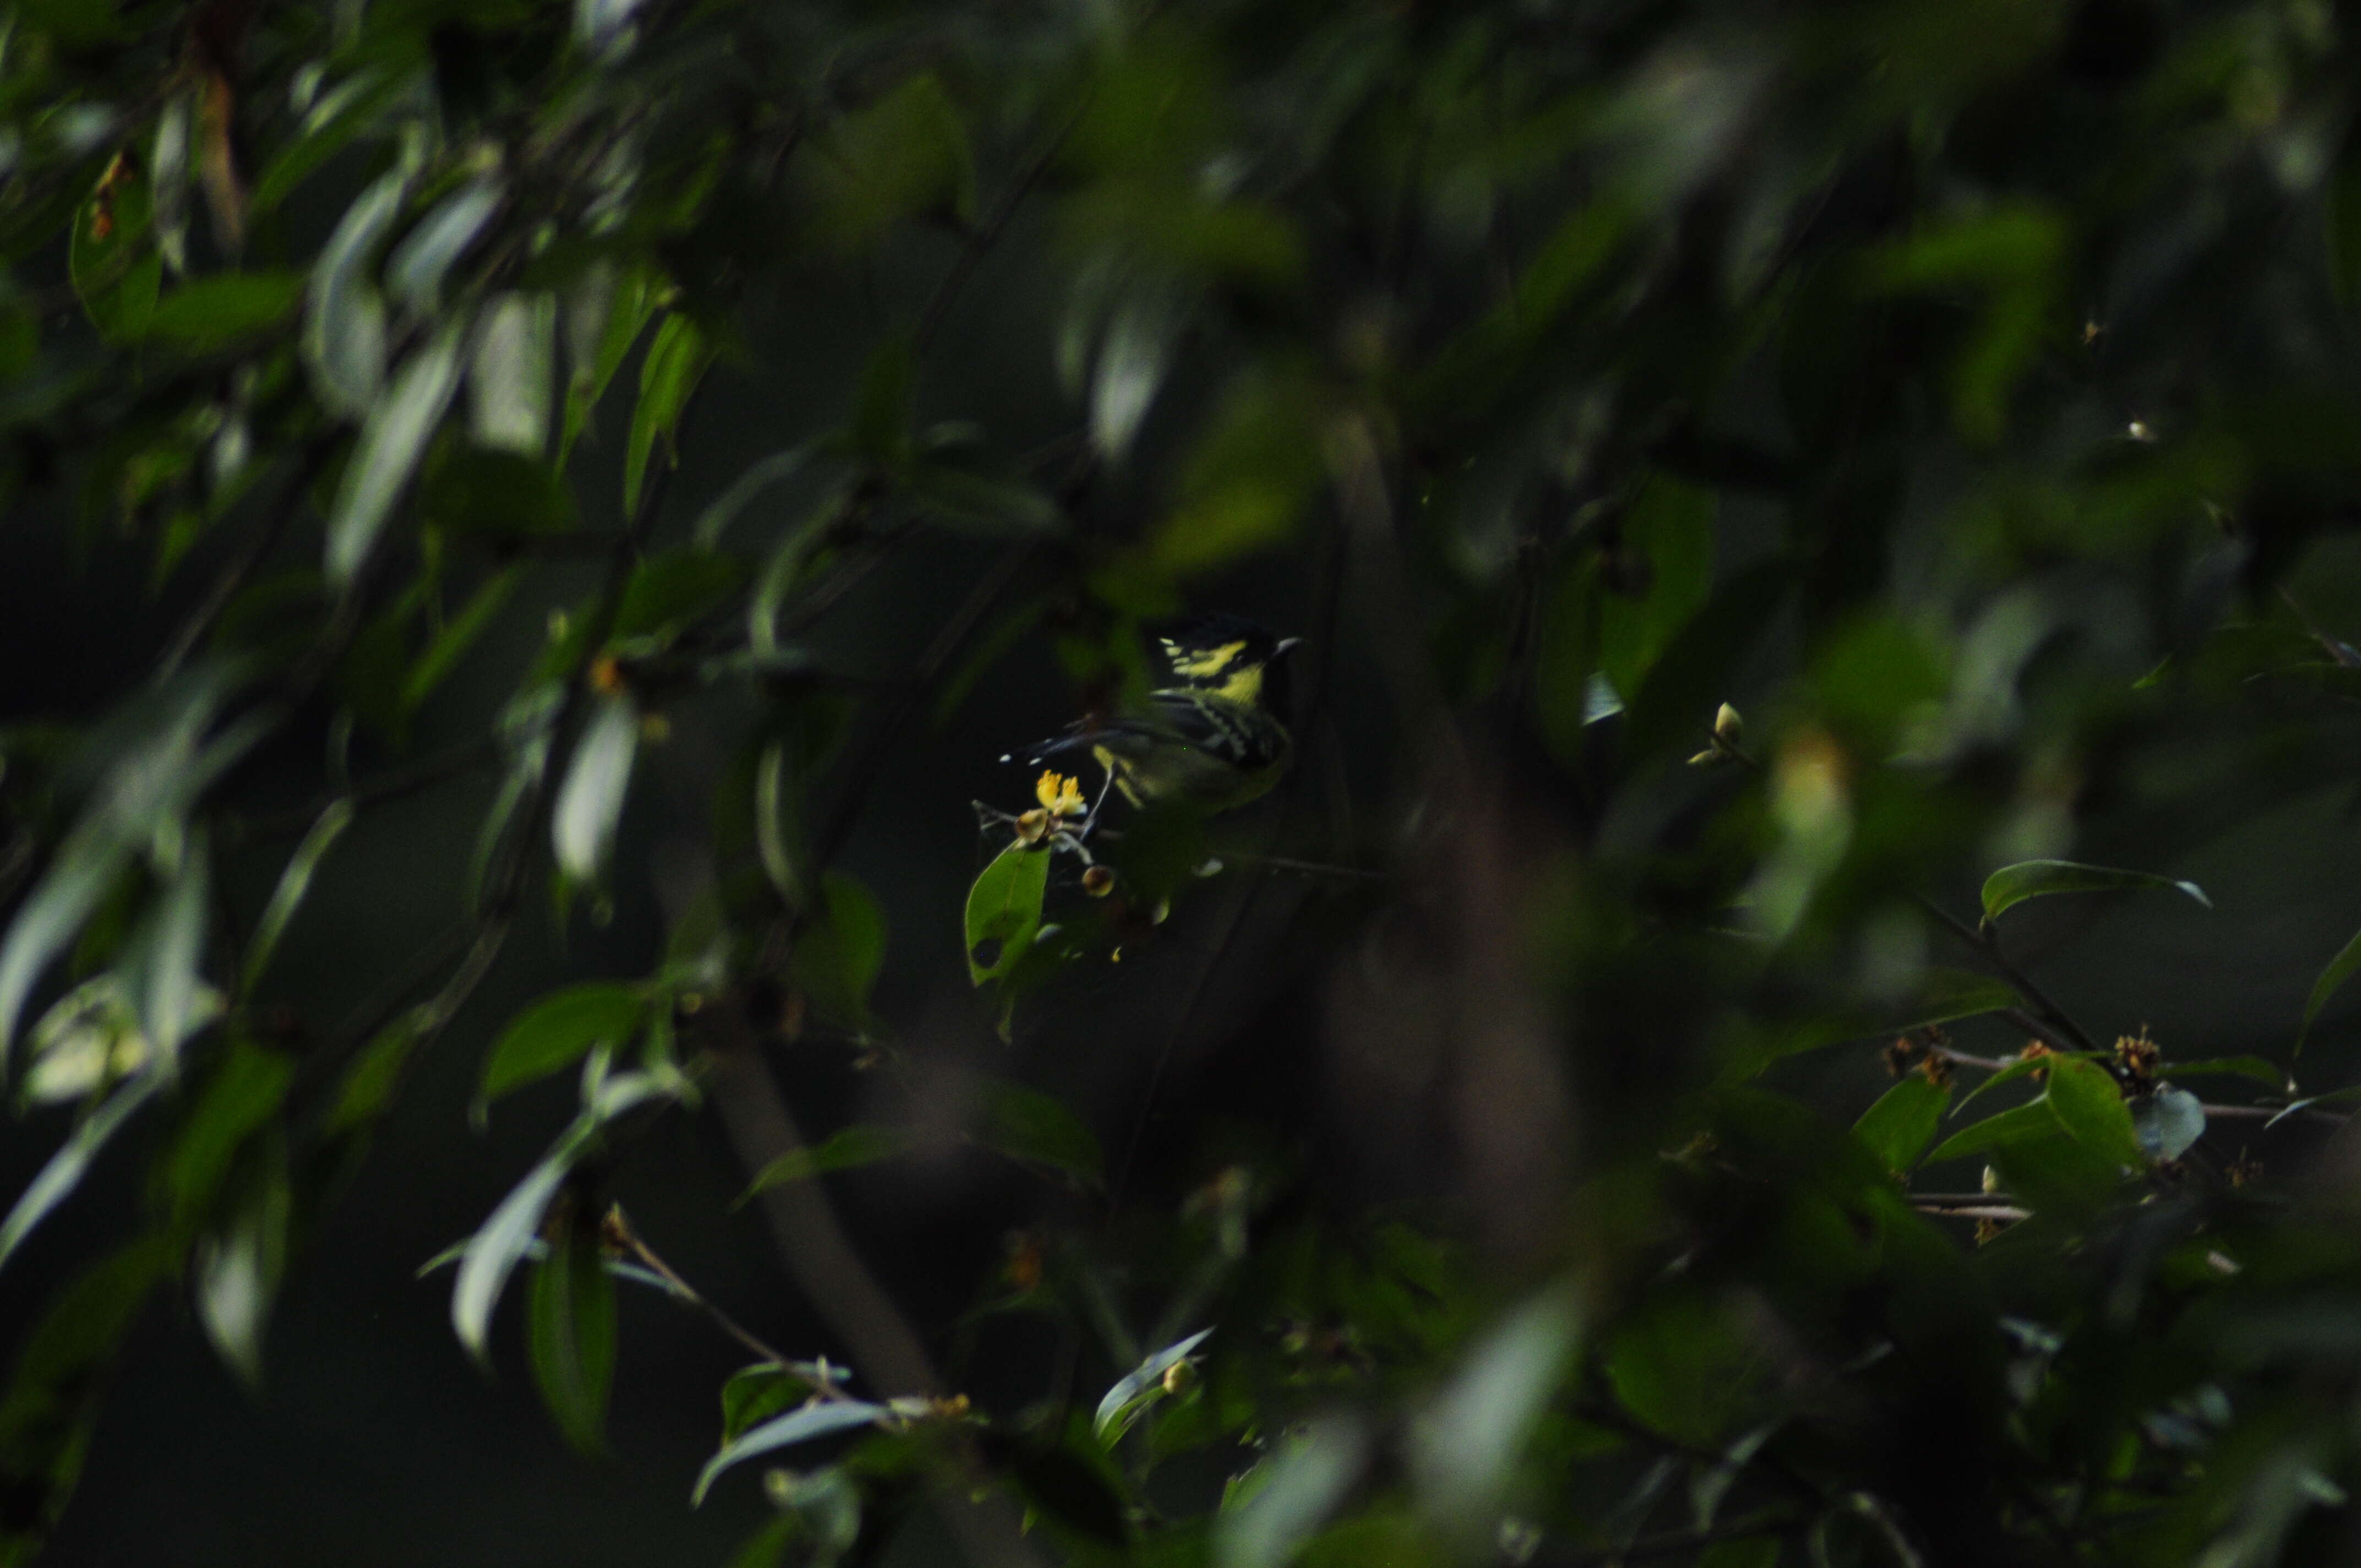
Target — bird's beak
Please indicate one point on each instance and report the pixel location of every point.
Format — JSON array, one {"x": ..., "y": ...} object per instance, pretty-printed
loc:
[{"x": 1284, "y": 643}]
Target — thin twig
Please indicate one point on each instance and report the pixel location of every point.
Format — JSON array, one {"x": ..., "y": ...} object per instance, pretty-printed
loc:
[{"x": 1987, "y": 947}]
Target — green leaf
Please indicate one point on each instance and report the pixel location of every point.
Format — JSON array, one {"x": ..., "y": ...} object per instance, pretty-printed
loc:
[
  {"x": 1140, "y": 1388},
  {"x": 558, "y": 1031},
  {"x": 458, "y": 634},
  {"x": 1291, "y": 1494},
  {"x": 590, "y": 803},
  {"x": 777, "y": 469},
  {"x": 2087, "y": 1105},
  {"x": 393, "y": 440},
  {"x": 2344, "y": 1096},
  {"x": 2332, "y": 980},
  {"x": 415, "y": 270},
  {"x": 844, "y": 1149},
  {"x": 1465, "y": 1442},
  {"x": 2030, "y": 1120},
  {"x": 500, "y": 496},
  {"x": 879, "y": 429},
  {"x": 671, "y": 587},
  {"x": 904, "y": 156},
  {"x": 756, "y": 1393},
  {"x": 2012, "y": 885},
  {"x": 2269, "y": 1074},
  {"x": 604, "y": 316},
  {"x": 59, "y": 1385},
  {"x": 212, "y": 312},
  {"x": 112, "y": 257},
  {"x": 676, "y": 362},
  {"x": 368, "y": 1086},
  {"x": 294, "y": 881},
  {"x": 2168, "y": 1122},
  {"x": 59, "y": 1178},
  {"x": 1905, "y": 1120},
  {"x": 159, "y": 963},
  {"x": 1945, "y": 994},
  {"x": 344, "y": 315},
  {"x": 1027, "y": 1125},
  {"x": 239, "y": 1267},
  {"x": 1682, "y": 1367},
  {"x": 84, "y": 868},
  {"x": 1004, "y": 911},
  {"x": 571, "y": 1329},
  {"x": 491, "y": 1254},
  {"x": 243, "y": 1095},
  {"x": 797, "y": 1426},
  {"x": 343, "y": 113},
  {"x": 837, "y": 958},
  {"x": 1667, "y": 543},
  {"x": 997, "y": 505},
  {"x": 513, "y": 375},
  {"x": 2018, "y": 1067}
]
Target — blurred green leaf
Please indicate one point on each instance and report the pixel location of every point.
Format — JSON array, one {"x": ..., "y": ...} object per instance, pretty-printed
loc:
[
  {"x": 238, "y": 1265},
  {"x": 1036, "y": 1128},
  {"x": 112, "y": 259},
  {"x": 839, "y": 953},
  {"x": 1683, "y": 1368},
  {"x": 590, "y": 802},
  {"x": 671, "y": 587},
  {"x": 571, "y": 1328},
  {"x": 847, "y": 1148},
  {"x": 212, "y": 312},
  {"x": 905, "y": 155},
  {"x": 558, "y": 1031},
  {"x": 393, "y": 440},
  {"x": 1904, "y": 1121},
  {"x": 2012, "y": 885},
  {"x": 294, "y": 881},
  {"x": 513, "y": 375},
  {"x": 241, "y": 1097},
  {"x": 344, "y": 315},
  {"x": 66, "y": 1168},
  {"x": 676, "y": 361},
  {"x": 415, "y": 270},
  {"x": 2031, "y": 1121},
  {"x": 1666, "y": 559}
]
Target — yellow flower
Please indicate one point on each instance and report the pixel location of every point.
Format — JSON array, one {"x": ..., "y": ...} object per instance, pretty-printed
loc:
[{"x": 1059, "y": 795}]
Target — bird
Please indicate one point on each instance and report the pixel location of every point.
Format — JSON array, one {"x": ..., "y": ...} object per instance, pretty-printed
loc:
[{"x": 1212, "y": 741}]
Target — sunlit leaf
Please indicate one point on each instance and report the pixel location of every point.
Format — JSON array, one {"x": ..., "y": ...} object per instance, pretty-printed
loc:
[
  {"x": 2087, "y": 1105},
  {"x": 66, "y": 1168},
  {"x": 1292, "y": 1492},
  {"x": 237, "y": 1268},
  {"x": 344, "y": 315},
  {"x": 805, "y": 1425},
  {"x": 2168, "y": 1122},
  {"x": 393, "y": 440},
  {"x": 416, "y": 269},
  {"x": 1131, "y": 1395},
  {"x": 513, "y": 375},
  {"x": 590, "y": 802}
]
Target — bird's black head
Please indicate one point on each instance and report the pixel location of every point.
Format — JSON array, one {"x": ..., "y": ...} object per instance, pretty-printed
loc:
[{"x": 1230, "y": 655}]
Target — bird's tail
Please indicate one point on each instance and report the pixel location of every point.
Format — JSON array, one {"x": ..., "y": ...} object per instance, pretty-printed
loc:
[{"x": 1040, "y": 752}]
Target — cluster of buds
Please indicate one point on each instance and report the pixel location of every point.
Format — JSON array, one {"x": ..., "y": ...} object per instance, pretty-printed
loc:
[
  {"x": 2034, "y": 1051},
  {"x": 2138, "y": 1056},
  {"x": 1723, "y": 746},
  {"x": 1926, "y": 1050}
]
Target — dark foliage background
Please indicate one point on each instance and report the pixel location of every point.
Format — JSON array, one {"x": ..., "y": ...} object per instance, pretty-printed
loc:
[{"x": 1824, "y": 534}]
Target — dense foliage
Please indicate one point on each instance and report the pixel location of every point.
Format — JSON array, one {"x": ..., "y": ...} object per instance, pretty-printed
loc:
[{"x": 1751, "y": 476}]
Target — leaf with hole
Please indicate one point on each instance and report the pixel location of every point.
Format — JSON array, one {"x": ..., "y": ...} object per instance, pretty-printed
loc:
[{"x": 1004, "y": 911}]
